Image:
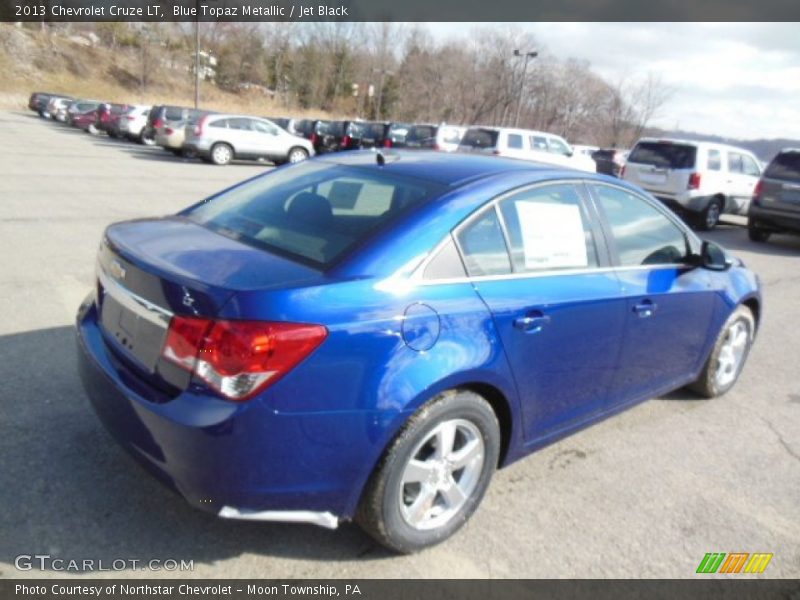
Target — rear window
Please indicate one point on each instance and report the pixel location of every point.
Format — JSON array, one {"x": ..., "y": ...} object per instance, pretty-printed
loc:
[
  {"x": 173, "y": 113},
  {"x": 785, "y": 166},
  {"x": 421, "y": 136},
  {"x": 315, "y": 212},
  {"x": 664, "y": 155},
  {"x": 480, "y": 138},
  {"x": 330, "y": 128}
]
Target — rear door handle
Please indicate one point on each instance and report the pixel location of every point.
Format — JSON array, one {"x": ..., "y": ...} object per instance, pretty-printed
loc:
[
  {"x": 645, "y": 308},
  {"x": 531, "y": 323}
]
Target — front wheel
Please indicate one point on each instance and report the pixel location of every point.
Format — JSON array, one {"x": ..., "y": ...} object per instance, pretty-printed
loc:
[
  {"x": 756, "y": 234},
  {"x": 730, "y": 352},
  {"x": 221, "y": 154},
  {"x": 434, "y": 474}
]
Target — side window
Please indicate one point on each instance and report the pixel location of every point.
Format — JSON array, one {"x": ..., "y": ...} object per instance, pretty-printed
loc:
[
  {"x": 643, "y": 235},
  {"x": 548, "y": 229},
  {"x": 750, "y": 167},
  {"x": 240, "y": 124},
  {"x": 446, "y": 264},
  {"x": 221, "y": 123},
  {"x": 483, "y": 246},
  {"x": 261, "y": 127},
  {"x": 515, "y": 141},
  {"x": 714, "y": 160},
  {"x": 557, "y": 146},
  {"x": 735, "y": 162},
  {"x": 538, "y": 143}
]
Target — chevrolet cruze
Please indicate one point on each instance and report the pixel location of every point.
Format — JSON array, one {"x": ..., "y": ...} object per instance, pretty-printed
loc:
[{"x": 369, "y": 336}]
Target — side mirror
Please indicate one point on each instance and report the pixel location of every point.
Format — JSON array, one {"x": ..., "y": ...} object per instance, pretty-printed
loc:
[{"x": 713, "y": 257}]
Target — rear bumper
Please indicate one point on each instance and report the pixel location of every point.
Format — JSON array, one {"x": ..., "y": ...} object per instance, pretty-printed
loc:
[
  {"x": 236, "y": 460},
  {"x": 776, "y": 220}
]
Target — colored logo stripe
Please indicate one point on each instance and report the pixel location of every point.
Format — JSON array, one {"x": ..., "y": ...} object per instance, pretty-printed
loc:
[
  {"x": 758, "y": 562},
  {"x": 713, "y": 562}
]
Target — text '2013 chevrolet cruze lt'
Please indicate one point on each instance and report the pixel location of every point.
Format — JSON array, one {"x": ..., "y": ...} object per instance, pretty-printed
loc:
[{"x": 370, "y": 336}]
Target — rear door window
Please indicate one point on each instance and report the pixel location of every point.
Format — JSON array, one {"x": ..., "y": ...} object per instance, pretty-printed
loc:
[
  {"x": 664, "y": 155},
  {"x": 714, "y": 160},
  {"x": 548, "y": 229},
  {"x": 735, "y": 162},
  {"x": 750, "y": 167},
  {"x": 785, "y": 166},
  {"x": 480, "y": 138},
  {"x": 515, "y": 141},
  {"x": 538, "y": 142}
]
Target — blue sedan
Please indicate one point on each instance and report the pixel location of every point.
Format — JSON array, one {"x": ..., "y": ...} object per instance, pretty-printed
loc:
[{"x": 370, "y": 336}]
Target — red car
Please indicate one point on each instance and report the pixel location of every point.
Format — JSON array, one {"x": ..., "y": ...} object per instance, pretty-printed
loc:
[{"x": 86, "y": 121}]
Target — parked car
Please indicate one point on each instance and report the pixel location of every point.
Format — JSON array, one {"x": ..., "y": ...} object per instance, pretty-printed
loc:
[
  {"x": 364, "y": 134},
  {"x": 525, "y": 144},
  {"x": 358, "y": 337},
  {"x": 702, "y": 179},
  {"x": 325, "y": 136},
  {"x": 108, "y": 115},
  {"x": 38, "y": 102},
  {"x": 57, "y": 107},
  {"x": 285, "y": 123},
  {"x": 160, "y": 115},
  {"x": 222, "y": 138},
  {"x": 584, "y": 150},
  {"x": 80, "y": 107},
  {"x": 172, "y": 134},
  {"x": 610, "y": 161},
  {"x": 132, "y": 122},
  {"x": 432, "y": 137},
  {"x": 775, "y": 207},
  {"x": 86, "y": 121},
  {"x": 396, "y": 135}
]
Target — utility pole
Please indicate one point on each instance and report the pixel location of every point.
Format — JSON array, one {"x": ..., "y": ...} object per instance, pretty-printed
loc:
[
  {"x": 196, "y": 56},
  {"x": 527, "y": 56}
]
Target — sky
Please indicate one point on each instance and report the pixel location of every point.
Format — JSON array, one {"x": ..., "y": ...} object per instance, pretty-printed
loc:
[{"x": 739, "y": 80}]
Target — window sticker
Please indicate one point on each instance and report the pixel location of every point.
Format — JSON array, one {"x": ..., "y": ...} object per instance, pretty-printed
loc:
[{"x": 552, "y": 235}]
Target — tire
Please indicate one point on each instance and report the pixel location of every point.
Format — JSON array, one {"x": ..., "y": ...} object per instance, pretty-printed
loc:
[
  {"x": 296, "y": 155},
  {"x": 755, "y": 233},
  {"x": 175, "y": 151},
  {"x": 723, "y": 367},
  {"x": 92, "y": 130},
  {"x": 221, "y": 154},
  {"x": 709, "y": 218},
  {"x": 146, "y": 140},
  {"x": 446, "y": 497}
]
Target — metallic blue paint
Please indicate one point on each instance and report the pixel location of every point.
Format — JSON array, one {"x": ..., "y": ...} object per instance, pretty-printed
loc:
[{"x": 311, "y": 440}]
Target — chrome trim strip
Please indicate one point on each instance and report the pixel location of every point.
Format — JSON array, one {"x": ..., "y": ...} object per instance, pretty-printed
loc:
[
  {"x": 139, "y": 306},
  {"x": 323, "y": 519}
]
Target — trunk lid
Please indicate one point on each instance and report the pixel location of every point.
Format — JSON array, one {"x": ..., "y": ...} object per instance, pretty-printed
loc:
[
  {"x": 661, "y": 167},
  {"x": 781, "y": 183},
  {"x": 150, "y": 270}
]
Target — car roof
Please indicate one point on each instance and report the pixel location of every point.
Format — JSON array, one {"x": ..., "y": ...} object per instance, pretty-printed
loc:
[
  {"x": 450, "y": 169},
  {"x": 698, "y": 143}
]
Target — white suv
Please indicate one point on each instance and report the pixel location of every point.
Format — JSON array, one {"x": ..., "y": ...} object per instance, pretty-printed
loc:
[
  {"x": 526, "y": 144},
  {"x": 702, "y": 178}
]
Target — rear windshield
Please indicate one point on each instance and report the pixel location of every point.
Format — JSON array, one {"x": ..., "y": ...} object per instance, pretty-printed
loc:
[
  {"x": 664, "y": 155},
  {"x": 315, "y": 212},
  {"x": 421, "y": 136},
  {"x": 480, "y": 138},
  {"x": 330, "y": 128},
  {"x": 173, "y": 113},
  {"x": 785, "y": 166}
]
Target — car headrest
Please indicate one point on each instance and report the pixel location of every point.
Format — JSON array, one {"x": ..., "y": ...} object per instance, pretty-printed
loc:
[{"x": 311, "y": 208}]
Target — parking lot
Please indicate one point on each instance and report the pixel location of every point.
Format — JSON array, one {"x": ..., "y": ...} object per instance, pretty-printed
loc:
[{"x": 644, "y": 494}]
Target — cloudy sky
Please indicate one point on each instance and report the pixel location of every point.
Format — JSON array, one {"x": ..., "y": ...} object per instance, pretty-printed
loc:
[{"x": 731, "y": 79}]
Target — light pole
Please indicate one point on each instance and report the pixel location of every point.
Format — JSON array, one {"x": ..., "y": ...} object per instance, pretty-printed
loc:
[
  {"x": 384, "y": 73},
  {"x": 527, "y": 56},
  {"x": 196, "y": 60}
]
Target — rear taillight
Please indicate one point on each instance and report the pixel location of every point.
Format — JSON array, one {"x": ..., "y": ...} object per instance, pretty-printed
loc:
[
  {"x": 313, "y": 138},
  {"x": 157, "y": 123},
  {"x": 239, "y": 358},
  {"x": 169, "y": 131},
  {"x": 346, "y": 141},
  {"x": 387, "y": 143},
  {"x": 757, "y": 192},
  {"x": 130, "y": 117},
  {"x": 694, "y": 181},
  {"x": 198, "y": 129}
]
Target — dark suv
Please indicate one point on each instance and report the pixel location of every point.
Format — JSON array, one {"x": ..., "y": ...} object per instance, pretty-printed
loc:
[
  {"x": 326, "y": 136},
  {"x": 775, "y": 207}
]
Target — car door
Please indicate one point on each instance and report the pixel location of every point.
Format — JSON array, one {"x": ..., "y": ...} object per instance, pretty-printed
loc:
[
  {"x": 242, "y": 137},
  {"x": 537, "y": 260},
  {"x": 267, "y": 139},
  {"x": 669, "y": 303}
]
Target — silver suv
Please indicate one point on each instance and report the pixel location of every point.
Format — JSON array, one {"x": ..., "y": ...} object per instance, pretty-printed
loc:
[
  {"x": 221, "y": 138},
  {"x": 702, "y": 178}
]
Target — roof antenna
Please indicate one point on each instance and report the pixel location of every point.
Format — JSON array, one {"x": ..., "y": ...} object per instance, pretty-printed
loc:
[{"x": 379, "y": 158}]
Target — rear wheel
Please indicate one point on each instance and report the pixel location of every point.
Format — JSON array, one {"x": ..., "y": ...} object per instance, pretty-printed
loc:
[
  {"x": 709, "y": 218},
  {"x": 221, "y": 154},
  {"x": 147, "y": 140},
  {"x": 434, "y": 474},
  {"x": 755, "y": 233},
  {"x": 297, "y": 154},
  {"x": 730, "y": 352}
]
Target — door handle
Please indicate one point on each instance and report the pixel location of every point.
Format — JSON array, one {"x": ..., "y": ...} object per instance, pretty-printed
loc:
[
  {"x": 645, "y": 308},
  {"x": 531, "y": 323}
]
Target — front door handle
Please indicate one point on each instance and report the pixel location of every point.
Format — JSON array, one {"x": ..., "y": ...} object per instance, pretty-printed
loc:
[
  {"x": 531, "y": 323},
  {"x": 645, "y": 308}
]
